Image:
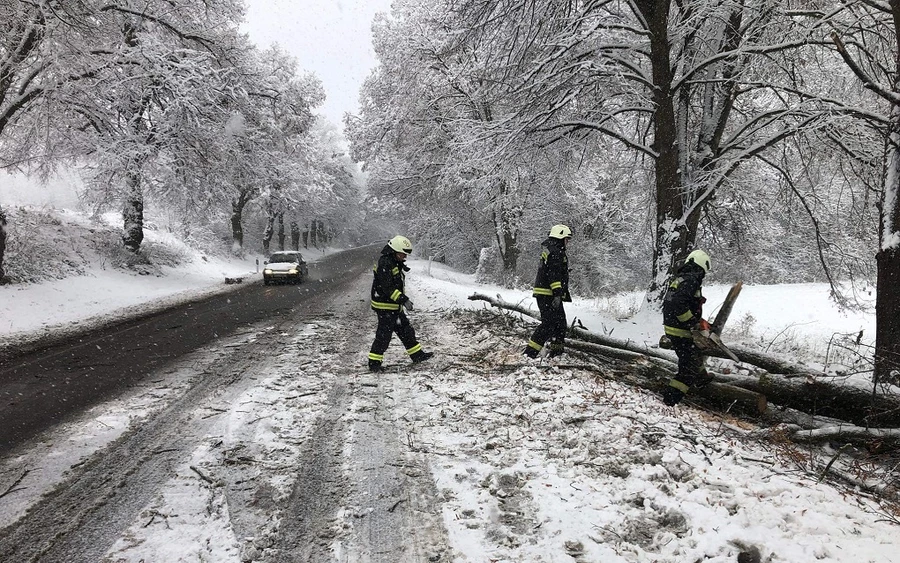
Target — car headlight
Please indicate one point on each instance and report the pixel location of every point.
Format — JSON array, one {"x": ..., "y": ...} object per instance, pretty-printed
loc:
[
  {"x": 267, "y": 271},
  {"x": 293, "y": 271}
]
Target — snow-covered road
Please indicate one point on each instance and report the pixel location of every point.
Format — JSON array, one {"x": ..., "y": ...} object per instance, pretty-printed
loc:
[
  {"x": 267, "y": 447},
  {"x": 276, "y": 445}
]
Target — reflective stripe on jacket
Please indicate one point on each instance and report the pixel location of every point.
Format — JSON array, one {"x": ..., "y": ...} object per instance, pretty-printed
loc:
[
  {"x": 553, "y": 271},
  {"x": 683, "y": 303},
  {"x": 387, "y": 285}
]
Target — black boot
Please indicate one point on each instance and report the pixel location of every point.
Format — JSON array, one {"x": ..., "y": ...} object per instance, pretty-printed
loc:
[
  {"x": 556, "y": 349},
  {"x": 530, "y": 351},
  {"x": 421, "y": 356},
  {"x": 703, "y": 379},
  {"x": 675, "y": 391},
  {"x": 671, "y": 396},
  {"x": 375, "y": 366}
]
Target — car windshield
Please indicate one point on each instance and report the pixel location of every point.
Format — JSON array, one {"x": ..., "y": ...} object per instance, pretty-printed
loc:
[{"x": 287, "y": 257}]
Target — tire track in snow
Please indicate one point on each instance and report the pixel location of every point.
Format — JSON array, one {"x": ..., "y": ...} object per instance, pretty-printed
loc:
[
  {"x": 361, "y": 495},
  {"x": 395, "y": 511},
  {"x": 83, "y": 516}
]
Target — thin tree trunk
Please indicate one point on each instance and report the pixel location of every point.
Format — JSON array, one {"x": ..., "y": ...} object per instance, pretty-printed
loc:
[
  {"x": 295, "y": 236},
  {"x": 511, "y": 256},
  {"x": 237, "y": 228},
  {"x": 506, "y": 222},
  {"x": 280, "y": 219},
  {"x": 887, "y": 319},
  {"x": 133, "y": 213},
  {"x": 887, "y": 304},
  {"x": 2, "y": 243},
  {"x": 133, "y": 208},
  {"x": 268, "y": 232},
  {"x": 314, "y": 233}
]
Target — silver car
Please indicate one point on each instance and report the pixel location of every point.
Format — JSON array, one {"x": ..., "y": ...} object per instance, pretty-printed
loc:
[{"x": 286, "y": 266}]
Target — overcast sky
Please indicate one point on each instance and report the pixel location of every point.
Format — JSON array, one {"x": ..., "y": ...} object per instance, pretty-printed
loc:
[{"x": 331, "y": 38}]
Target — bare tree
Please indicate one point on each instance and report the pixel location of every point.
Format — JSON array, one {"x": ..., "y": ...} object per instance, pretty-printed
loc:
[
  {"x": 870, "y": 46},
  {"x": 59, "y": 58},
  {"x": 697, "y": 88},
  {"x": 267, "y": 133},
  {"x": 426, "y": 134}
]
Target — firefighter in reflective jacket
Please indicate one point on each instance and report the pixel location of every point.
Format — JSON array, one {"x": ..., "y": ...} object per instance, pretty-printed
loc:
[
  {"x": 551, "y": 289},
  {"x": 389, "y": 301},
  {"x": 683, "y": 312}
]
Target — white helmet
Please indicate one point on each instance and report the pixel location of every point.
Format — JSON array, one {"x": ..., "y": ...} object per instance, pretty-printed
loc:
[
  {"x": 401, "y": 244},
  {"x": 560, "y": 231},
  {"x": 699, "y": 258}
]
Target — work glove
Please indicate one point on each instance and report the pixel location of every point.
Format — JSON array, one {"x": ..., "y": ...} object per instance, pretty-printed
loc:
[
  {"x": 671, "y": 396},
  {"x": 557, "y": 302},
  {"x": 408, "y": 304}
]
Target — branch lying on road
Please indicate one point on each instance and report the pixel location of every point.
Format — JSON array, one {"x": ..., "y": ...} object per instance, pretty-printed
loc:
[{"x": 812, "y": 393}]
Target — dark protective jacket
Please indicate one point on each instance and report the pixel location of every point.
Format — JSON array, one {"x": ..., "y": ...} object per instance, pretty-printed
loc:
[
  {"x": 683, "y": 302},
  {"x": 552, "y": 278},
  {"x": 387, "y": 287}
]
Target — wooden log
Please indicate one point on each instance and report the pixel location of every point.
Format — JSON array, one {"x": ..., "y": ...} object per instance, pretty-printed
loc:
[
  {"x": 787, "y": 384},
  {"x": 657, "y": 371},
  {"x": 818, "y": 396},
  {"x": 725, "y": 310},
  {"x": 576, "y": 332},
  {"x": 846, "y": 433}
]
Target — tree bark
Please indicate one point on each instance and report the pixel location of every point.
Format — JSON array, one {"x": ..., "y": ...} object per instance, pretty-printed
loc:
[
  {"x": 2, "y": 243},
  {"x": 268, "y": 232},
  {"x": 133, "y": 213},
  {"x": 279, "y": 218},
  {"x": 887, "y": 302},
  {"x": 511, "y": 253},
  {"x": 844, "y": 433},
  {"x": 887, "y": 320},
  {"x": 887, "y": 317},
  {"x": 237, "y": 227},
  {"x": 672, "y": 241},
  {"x": 295, "y": 236},
  {"x": 505, "y": 227}
]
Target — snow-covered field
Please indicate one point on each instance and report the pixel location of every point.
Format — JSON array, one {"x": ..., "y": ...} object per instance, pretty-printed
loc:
[{"x": 477, "y": 456}]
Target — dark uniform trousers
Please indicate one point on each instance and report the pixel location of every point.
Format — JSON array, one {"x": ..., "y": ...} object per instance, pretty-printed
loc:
[
  {"x": 390, "y": 322},
  {"x": 553, "y": 322},
  {"x": 690, "y": 361}
]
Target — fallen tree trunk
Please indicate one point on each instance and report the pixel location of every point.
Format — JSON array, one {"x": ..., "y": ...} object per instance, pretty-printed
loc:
[
  {"x": 790, "y": 385},
  {"x": 846, "y": 433},
  {"x": 579, "y": 332},
  {"x": 657, "y": 371}
]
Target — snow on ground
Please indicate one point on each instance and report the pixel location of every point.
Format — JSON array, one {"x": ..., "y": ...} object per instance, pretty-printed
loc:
[
  {"x": 532, "y": 461},
  {"x": 764, "y": 315}
]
